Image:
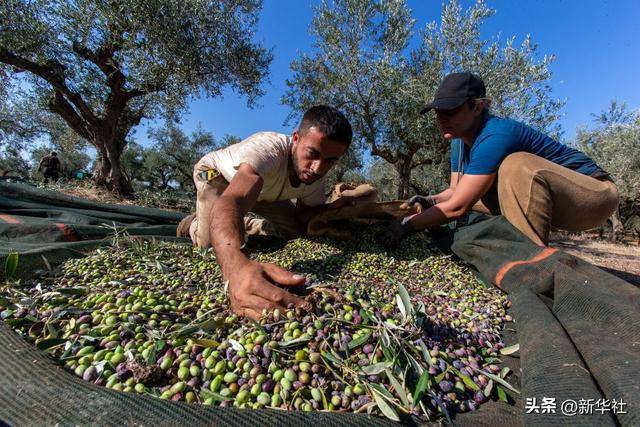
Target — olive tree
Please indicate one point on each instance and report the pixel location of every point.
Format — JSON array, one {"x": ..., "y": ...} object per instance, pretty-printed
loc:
[
  {"x": 104, "y": 65},
  {"x": 175, "y": 153},
  {"x": 364, "y": 64},
  {"x": 614, "y": 144}
]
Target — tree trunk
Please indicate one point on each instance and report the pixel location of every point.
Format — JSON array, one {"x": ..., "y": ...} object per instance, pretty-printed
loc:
[
  {"x": 403, "y": 169},
  {"x": 617, "y": 228},
  {"x": 117, "y": 179},
  {"x": 102, "y": 167},
  {"x": 108, "y": 169}
]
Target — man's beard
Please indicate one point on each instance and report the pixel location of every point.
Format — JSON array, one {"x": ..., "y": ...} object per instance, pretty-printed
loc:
[{"x": 306, "y": 177}]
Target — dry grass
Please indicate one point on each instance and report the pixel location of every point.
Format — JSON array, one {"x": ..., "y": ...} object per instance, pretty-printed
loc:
[
  {"x": 162, "y": 199},
  {"x": 621, "y": 259},
  {"x": 88, "y": 191}
]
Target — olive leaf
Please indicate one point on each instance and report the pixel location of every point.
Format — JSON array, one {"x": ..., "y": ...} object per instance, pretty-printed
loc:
[
  {"x": 49, "y": 343},
  {"x": 421, "y": 387},
  {"x": 488, "y": 389},
  {"x": 504, "y": 372},
  {"x": 207, "y": 326},
  {"x": 499, "y": 381},
  {"x": 502, "y": 395},
  {"x": 395, "y": 383},
  {"x": 203, "y": 342},
  {"x": 384, "y": 406},
  {"x": 325, "y": 404},
  {"x": 376, "y": 368},
  {"x": 401, "y": 307},
  {"x": 53, "y": 332},
  {"x": 366, "y": 315},
  {"x": 466, "y": 380},
  {"x": 425, "y": 353},
  {"x": 331, "y": 358},
  {"x": 155, "y": 350},
  {"x": 386, "y": 341},
  {"x": 510, "y": 350},
  {"x": 359, "y": 341},
  {"x": 235, "y": 344},
  {"x": 292, "y": 342},
  {"x": 160, "y": 345},
  {"x": 414, "y": 364},
  {"x": 405, "y": 300},
  {"x": 163, "y": 268},
  {"x": 389, "y": 355},
  {"x": 10, "y": 265},
  {"x": 440, "y": 376},
  {"x": 383, "y": 391},
  {"x": 212, "y": 394}
]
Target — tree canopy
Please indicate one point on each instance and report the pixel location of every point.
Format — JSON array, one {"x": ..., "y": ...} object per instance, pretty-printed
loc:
[
  {"x": 103, "y": 66},
  {"x": 365, "y": 63},
  {"x": 614, "y": 144}
]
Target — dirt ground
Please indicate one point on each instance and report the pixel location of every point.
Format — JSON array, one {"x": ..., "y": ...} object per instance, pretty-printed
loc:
[{"x": 621, "y": 259}]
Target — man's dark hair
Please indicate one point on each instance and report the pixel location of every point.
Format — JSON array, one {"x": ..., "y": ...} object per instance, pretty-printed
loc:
[
  {"x": 328, "y": 120},
  {"x": 53, "y": 153}
]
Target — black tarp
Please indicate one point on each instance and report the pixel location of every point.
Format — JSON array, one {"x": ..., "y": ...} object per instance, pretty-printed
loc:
[{"x": 46, "y": 227}]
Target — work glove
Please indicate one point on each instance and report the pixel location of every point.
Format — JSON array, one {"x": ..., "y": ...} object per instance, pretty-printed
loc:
[
  {"x": 391, "y": 236},
  {"x": 424, "y": 201}
]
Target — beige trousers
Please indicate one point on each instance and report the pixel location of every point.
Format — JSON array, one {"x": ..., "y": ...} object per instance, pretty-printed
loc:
[
  {"x": 535, "y": 195},
  {"x": 277, "y": 217}
]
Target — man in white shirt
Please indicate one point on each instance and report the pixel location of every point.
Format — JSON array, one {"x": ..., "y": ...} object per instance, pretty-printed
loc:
[{"x": 277, "y": 176}]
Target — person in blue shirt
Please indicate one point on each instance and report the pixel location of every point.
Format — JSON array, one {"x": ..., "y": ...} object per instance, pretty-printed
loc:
[{"x": 501, "y": 166}]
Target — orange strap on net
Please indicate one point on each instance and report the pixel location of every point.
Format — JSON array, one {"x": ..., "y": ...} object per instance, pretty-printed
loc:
[
  {"x": 547, "y": 252},
  {"x": 68, "y": 232},
  {"x": 10, "y": 219}
]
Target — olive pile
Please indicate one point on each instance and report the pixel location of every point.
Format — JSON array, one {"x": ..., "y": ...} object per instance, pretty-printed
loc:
[{"x": 410, "y": 332}]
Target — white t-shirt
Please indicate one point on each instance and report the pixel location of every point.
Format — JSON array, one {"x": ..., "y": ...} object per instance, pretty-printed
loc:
[{"x": 268, "y": 154}]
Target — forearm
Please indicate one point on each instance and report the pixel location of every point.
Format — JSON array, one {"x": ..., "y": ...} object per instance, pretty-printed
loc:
[
  {"x": 227, "y": 235},
  {"x": 443, "y": 196},
  {"x": 434, "y": 216}
]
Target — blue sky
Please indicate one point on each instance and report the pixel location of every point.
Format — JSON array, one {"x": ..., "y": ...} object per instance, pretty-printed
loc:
[{"x": 597, "y": 45}]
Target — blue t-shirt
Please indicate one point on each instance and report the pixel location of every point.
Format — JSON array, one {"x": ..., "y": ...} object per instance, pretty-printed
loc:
[{"x": 500, "y": 137}]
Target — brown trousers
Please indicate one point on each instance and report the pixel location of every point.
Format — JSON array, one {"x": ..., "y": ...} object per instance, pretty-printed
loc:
[
  {"x": 277, "y": 217},
  {"x": 535, "y": 195}
]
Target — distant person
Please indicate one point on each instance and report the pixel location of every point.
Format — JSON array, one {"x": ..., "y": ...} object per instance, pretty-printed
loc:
[
  {"x": 277, "y": 176},
  {"x": 501, "y": 166},
  {"x": 50, "y": 167}
]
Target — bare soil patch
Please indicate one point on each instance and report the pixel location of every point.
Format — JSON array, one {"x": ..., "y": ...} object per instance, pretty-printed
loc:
[{"x": 621, "y": 259}]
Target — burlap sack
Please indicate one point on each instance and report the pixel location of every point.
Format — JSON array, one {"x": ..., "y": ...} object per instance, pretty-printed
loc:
[{"x": 365, "y": 210}]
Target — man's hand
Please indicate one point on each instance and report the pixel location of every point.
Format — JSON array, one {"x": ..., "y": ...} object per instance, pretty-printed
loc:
[
  {"x": 424, "y": 201},
  {"x": 253, "y": 288},
  {"x": 343, "y": 201},
  {"x": 390, "y": 237}
]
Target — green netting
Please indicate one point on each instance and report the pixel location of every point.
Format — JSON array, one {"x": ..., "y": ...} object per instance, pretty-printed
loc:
[
  {"x": 577, "y": 326},
  {"x": 47, "y": 227}
]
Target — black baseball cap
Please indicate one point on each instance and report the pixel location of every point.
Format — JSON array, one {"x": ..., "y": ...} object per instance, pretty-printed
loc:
[{"x": 454, "y": 90}]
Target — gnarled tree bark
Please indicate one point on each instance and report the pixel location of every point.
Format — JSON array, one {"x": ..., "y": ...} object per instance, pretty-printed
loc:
[{"x": 107, "y": 131}]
